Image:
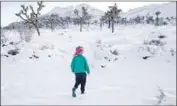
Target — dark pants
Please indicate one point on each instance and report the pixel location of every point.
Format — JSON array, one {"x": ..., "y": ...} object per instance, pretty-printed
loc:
[{"x": 80, "y": 79}]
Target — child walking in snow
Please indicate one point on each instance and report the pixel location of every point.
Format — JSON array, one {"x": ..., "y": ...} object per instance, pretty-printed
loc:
[{"x": 80, "y": 68}]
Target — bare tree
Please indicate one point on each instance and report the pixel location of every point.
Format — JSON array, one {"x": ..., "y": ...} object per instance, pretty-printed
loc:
[
  {"x": 157, "y": 17},
  {"x": 33, "y": 17},
  {"x": 114, "y": 13},
  {"x": 68, "y": 20},
  {"x": 87, "y": 19},
  {"x": 150, "y": 20},
  {"x": 53, "y": 20},
  {"x": 138, "y": 20},
  {"x": 25, "y": 31},
  {"x": 108, "y": 18},
  {"x": 75, "y": 21},
  {"x": 101, "y": 21},
  {"x": 83, "y": 16}
]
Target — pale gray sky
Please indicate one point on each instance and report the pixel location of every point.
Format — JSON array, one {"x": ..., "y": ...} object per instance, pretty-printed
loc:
[{"x": 8, "y": 9}]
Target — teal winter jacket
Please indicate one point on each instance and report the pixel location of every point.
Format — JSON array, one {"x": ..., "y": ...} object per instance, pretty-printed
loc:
[{"x": 79, "y": 64}]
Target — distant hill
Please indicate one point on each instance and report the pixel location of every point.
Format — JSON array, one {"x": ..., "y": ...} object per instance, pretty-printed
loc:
[
  {"x": 166, "y": 9},
  {"x": 69, "y": 11}
]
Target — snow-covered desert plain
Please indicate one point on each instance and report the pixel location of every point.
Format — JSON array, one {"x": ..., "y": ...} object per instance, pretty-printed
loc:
[{"x": 141, "y": 72}]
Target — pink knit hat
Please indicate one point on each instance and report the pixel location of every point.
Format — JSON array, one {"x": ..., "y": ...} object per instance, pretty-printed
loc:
[{"x": 79, "y": 50}]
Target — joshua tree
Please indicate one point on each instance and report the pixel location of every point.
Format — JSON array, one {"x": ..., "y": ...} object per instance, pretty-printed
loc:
[
  {"x": 33, "y": 17},
  {"x": 53, "y": 19},
  {"x": 108, "y": 18},
  {"x": 101, "y": 21},
  {"x": 157, "y": 17},
  {"x": 114, "y": 12},
  {"x": 84, "y": 15}
]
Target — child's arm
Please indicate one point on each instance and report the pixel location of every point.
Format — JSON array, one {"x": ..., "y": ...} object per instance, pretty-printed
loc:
[
  {"x": 87, "y": 67},
  {"x": 72, "y": 65}
]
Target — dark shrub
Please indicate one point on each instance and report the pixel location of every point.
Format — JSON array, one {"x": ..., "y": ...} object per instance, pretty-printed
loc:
[
  {"x": 156, "y": 42},
  {"x": 161, "y": 36},
  {"x": 146, "y": 57},
  {"x": 11, "y": 43},
  {"x": 13, "y": 52},
  {"x": 103, "y": 66},
  {"x": 114, "y": 52}
]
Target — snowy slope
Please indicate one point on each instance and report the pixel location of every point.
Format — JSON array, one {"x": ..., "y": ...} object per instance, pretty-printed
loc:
[
  {"x": 69, "y": 11},
  {"x": 166, "y": 9},
  {"x": 130, "y": 80}
]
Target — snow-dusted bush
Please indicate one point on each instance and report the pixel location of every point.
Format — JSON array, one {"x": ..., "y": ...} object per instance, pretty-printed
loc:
[
  {"x": 43, "y": 47},
  {"x": 114, "y": 52},
  {"x": 34, "y": 56},
  {"x": 153, "y": 45},
  {"x": 98, "y": 42},
  {"x": 154, "y": 42},
  {"x": 151, "y": 49},
  {"x": 46, "y": 46},
  {"x": 145, "y": 42},
  {"x": 3, "y": 38},
  {"x": 25, "y": 33},
  {"x": 173, "y": 52},
  {"x": 161, "y": 97},
  {"x": 157, "y": 43}
]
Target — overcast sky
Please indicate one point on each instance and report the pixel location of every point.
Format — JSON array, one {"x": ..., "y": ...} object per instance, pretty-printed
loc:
[{"x": 8, "y": 9}]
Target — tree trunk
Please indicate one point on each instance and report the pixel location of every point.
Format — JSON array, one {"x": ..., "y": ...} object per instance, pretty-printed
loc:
[
  {"x": 37, "y": 29},
  {"x": 81, "y": 25},
  {"x": 52, "y": 27},
  {"x": 157, "y": 21},
  {"x": 67, "y": 24},
  {"x": 112, "y": 25},
  {"x": 109, "y": 24},
  {"x": 101, "y": 25}
]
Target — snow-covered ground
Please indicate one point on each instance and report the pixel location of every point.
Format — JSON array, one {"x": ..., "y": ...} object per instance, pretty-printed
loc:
[{"x": 129, "y": 80}]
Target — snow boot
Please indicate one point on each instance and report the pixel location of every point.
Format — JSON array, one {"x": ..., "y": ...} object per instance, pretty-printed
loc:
[
  {"x": 82, "y": 92},
  {"x": 73, "y": 92}
]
